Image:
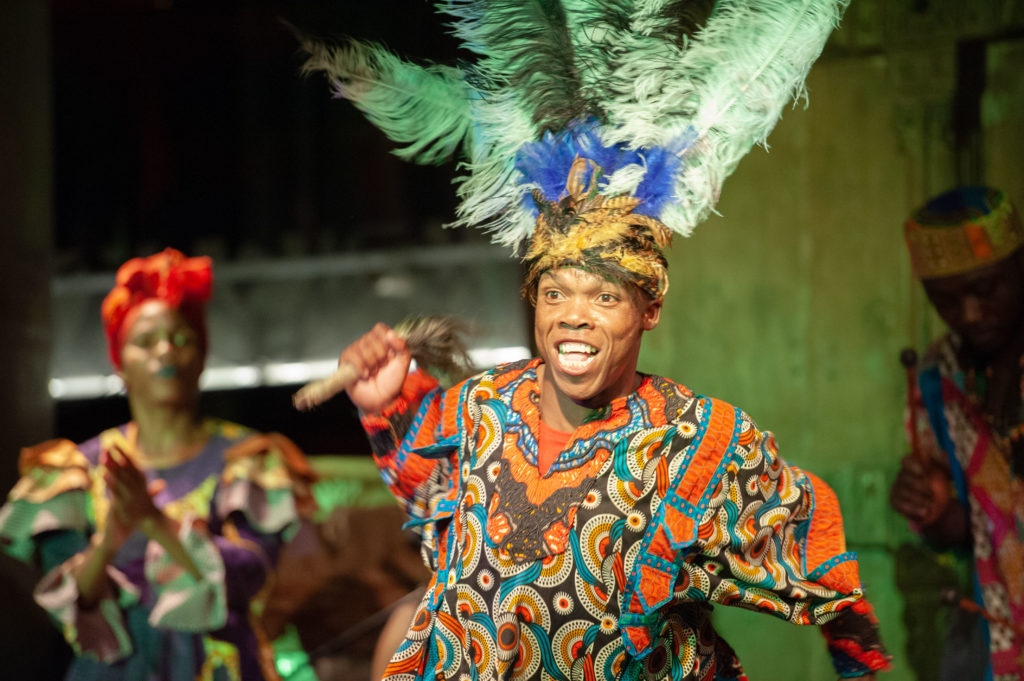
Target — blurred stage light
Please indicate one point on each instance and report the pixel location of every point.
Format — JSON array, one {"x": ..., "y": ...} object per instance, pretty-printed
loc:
[{"x": 253, "y": 376}]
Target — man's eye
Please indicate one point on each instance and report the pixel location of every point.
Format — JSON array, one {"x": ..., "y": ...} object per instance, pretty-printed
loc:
[
  {"x": 180, "y": 339},
  {"x": 606, "y": 298},
  {"x": 984, "y": 288},
  {"x": 145, "y": 340}
]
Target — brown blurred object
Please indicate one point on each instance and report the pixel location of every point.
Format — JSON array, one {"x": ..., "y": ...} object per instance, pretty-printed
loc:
[
  {"x": 952, "y": 598},
  {"x": 335, "y": 575},
  {"x": 920, "y": 463},
  {"x": 908, "y": 358}
]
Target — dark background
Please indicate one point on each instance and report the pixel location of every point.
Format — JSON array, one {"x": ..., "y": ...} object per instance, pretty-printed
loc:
[{"x": 188, "y": 124}]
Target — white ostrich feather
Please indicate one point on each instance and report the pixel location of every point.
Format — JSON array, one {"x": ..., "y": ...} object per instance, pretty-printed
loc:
[{"x": 729, "y": 84}]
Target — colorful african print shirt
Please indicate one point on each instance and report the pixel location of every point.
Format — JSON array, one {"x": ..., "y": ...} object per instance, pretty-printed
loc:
[
  {"x": 661, "y": 504},
  {"x": 993, "y": 496},
  {"x": 236, "y": 502}
]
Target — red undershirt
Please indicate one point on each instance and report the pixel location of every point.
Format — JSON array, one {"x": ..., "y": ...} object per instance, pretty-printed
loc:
[{"x": 549, "y": 446}]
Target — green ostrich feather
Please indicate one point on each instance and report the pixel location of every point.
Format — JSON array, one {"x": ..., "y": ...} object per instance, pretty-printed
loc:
[
  {"x": 425, "y": 108},
  {"x": 647, "y": 70}
]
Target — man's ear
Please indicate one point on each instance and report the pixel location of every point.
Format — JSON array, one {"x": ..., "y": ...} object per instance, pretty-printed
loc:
[{"x": 652, "y": 314}]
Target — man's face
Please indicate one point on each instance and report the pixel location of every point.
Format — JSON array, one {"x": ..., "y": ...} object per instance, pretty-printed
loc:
[
  {"x": 588, "y": 332},
  {"x": 983, "y": 306},
  {"x": 161, "y": 359}
]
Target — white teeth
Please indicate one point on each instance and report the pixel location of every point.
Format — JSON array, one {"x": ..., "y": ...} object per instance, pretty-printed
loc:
[
  {"x": 570, "y": 362},
  {"x": 574, "y": 356},
  {"x": 564, "y": 348}
]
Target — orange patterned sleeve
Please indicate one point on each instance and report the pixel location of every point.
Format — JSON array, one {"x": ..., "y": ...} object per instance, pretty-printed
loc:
[
  {"x": 414, "y": 443},
  {"x": 413, "y": 415},
  {"x": 772, "y": 540}
]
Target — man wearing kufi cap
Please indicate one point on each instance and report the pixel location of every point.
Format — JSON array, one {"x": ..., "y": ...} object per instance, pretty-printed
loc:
[{"x": 964, "y": 484}]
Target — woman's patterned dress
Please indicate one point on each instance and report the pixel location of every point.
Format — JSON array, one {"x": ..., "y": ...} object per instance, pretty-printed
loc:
[{"x": 236, "y": 501}]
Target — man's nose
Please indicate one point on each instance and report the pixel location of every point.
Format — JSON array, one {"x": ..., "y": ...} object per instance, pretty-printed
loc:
[
  {"x": 971, "y": 310},
  {"x": 577, "y": 316}
]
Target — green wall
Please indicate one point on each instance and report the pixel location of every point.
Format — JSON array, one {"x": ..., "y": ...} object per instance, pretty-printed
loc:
[
  {"x": 792, "y": 305},
  {"x": 795, "y": 301}
]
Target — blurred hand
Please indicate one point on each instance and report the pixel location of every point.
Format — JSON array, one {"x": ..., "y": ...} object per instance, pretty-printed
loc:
[
  {"x": 131, "y": 504},
  {"x": 381, "y": 360},
  {"x": 920, "y": 492}
]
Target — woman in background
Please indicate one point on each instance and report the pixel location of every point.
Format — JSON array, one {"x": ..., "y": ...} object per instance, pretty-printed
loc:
[{"x": 159, "y": 537}]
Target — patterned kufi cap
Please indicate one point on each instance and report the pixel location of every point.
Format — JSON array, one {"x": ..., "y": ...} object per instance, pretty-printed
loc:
[
  {"x": 597, "y": 233},
  {"x": 961, "y": 230}
]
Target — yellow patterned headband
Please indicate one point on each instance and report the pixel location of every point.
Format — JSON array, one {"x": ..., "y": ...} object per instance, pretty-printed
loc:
[
  {"x": 598, "y": 233},
  {"x": 962, "y": 230}
]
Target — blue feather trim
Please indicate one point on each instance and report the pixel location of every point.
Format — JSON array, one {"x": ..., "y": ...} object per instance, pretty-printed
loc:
[{"x": 545, "y": 164}]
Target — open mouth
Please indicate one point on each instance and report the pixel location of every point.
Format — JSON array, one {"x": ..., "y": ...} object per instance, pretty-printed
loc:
[
  {"x": 167, "y": 371},
  {"x": 575, "y": 357}
]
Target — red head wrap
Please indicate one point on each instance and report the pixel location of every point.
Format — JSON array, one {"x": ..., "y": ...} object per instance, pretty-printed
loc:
[{"x": 183, "y": 283}]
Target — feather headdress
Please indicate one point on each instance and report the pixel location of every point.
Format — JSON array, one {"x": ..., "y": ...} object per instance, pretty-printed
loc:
[{"x": 663, "y": 96}]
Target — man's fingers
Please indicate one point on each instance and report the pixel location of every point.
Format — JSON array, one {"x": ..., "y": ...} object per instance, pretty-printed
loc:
[
  {"x": 918, "y": 487},
  {"x": 910, "y": 510},
  {"x": 911, "y": 499},
  {"x": 378, "y": 348},
  {"x": 907, "y": 503},
  {"x": 372, "y": 350},
  {"x": 913, "y": 465},
  {"x": 396, "y": 342}
]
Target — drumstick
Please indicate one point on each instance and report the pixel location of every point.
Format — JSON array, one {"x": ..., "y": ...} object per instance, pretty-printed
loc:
[
  {"x": 908, "y": 358},
  {"x": 951, "y": 597},
  {"x": 433, "y": 342}
]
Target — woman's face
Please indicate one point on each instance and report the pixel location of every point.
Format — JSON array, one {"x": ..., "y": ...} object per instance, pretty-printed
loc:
[{"x": 161, "y": 359}]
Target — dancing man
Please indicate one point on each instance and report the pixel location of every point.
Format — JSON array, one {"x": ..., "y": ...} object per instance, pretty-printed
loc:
[{"x": 581, "y": 517}]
